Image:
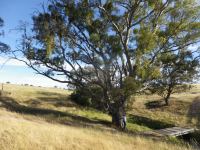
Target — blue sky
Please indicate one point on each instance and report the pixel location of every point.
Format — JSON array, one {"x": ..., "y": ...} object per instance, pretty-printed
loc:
[{"x": 12, "y": 12}]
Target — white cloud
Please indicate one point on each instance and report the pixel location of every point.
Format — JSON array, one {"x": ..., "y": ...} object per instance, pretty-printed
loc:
[
  {"x": 10, "y": 62},
  {"x": 18, "y": 72}
]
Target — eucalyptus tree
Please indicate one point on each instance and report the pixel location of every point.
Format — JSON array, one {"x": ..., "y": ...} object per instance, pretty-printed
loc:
[
  {"x": 109, "y": 45},
  {"x": 178, "y": 72}
]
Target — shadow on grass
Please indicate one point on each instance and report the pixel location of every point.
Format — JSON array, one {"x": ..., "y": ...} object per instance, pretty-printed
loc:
[
  {"x": 52, "y": 98},
  {"x": 56, "y": 116},
  {"x": 176, "y": 106},
  {"x": 194, "y": 111},
  {"x": 150, "y": 123},
  {"x": 155, "y": 104},
  {"x": 57, "y": 102}
]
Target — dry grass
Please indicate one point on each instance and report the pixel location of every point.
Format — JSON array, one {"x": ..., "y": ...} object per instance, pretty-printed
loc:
[
  {"x": 178, "y": 111},
  {"x": 50, "y": 98},
  {"x": 47, "y": 119},
  {"x": 18, "y": 133}
]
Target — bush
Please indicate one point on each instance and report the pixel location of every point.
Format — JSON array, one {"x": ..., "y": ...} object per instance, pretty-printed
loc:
[
  {"x": 81, "y": 97},
  {"x": 90, "y": 97}
]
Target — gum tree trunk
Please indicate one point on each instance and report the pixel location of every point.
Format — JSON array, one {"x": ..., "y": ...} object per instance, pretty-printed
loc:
[
  {"x": 116, "y": 109},
  {"x": 118, "y": 113},
  {"x": 168, "y": 96},
  {"x": 117, "y": 117}
]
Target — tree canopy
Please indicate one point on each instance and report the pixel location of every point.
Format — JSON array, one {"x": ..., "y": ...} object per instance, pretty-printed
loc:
[
  {"x": 114, "y": 46},
  {"x": 3, "y": 47},
  {"x": 178, "y": 72}
]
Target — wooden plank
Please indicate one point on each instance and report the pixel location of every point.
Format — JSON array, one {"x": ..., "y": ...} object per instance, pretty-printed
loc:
[{"x": 174, "y": 131}]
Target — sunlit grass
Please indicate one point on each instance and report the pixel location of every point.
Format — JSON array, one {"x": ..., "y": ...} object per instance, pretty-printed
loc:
[
  {"x": 62, "y": 124},
  {"x": 18, "y": 133},
  {"x": 178, "y": 111}
]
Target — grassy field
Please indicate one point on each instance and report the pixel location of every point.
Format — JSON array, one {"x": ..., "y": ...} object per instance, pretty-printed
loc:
[
  {"x": 45, "y": 118},
  {"x": 21, "y": 133},
  {"x": 177, "y": 114}
]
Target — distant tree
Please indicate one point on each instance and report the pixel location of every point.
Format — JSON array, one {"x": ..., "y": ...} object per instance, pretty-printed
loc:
[
  {"x": 3, "y": 47},
  {"x": 8, "y": 82},
  {"x": 110, "y": 45},
  {"x": 178, "y": 71}
]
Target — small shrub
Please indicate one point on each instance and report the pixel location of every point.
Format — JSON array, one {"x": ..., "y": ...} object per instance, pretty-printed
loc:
[
  {"x": 88, "y": 97},
  {"x": 81, "y": 98}
]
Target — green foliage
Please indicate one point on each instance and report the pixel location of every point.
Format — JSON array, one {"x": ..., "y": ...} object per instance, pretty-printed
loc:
[
  {"x": 94, "y": 37},
  {"x": 30, "y": 54},
  {"x": 118, "y": 46},
  {"x": 146, "y": 71},
  {"x": 81, "y": 97},
  {"x": 1, "y": 22},
  {"x": 49, "y": 43},
  {"x": 131, "y": 86},
  {"x": 146, "y": 40},
  {"x": 3, "y": 47},
  {"x": 90, "y": 97},
  {"x": 177, "y": 72}
]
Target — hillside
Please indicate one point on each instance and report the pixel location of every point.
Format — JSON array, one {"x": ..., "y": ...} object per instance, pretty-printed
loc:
[
  {"x": 181, "y": 111},
  {"x": 19, "y": 133},
  {"x": 45, "y": 118}
]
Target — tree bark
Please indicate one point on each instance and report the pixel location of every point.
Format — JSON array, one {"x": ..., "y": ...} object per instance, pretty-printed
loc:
[
  {"x": 167, "y": 97},
  {"x": 167, "y": 101},
  {"x": 116, "y": 109},
  {"x": 117, "y": 117},
  {"x": 118, "y": 114}
]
